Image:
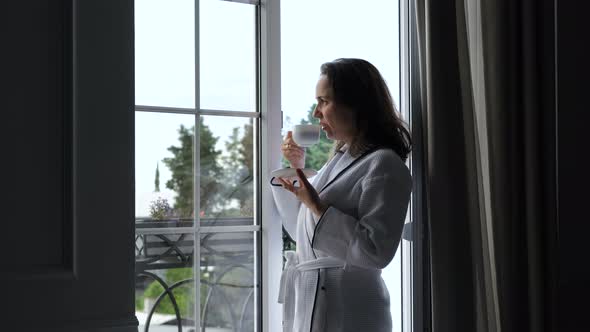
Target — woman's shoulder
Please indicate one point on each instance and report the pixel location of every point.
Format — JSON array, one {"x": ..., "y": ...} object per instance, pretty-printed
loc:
[
  {"x": 385, "y": 157},
  {"x": 385, "y": 162}
]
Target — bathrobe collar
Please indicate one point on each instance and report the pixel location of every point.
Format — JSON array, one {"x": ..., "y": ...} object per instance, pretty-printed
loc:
[{"x": 344, "y": 149}]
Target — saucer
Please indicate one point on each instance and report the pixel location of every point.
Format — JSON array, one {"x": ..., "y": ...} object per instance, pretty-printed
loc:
[{"x": 290, "y": 172}]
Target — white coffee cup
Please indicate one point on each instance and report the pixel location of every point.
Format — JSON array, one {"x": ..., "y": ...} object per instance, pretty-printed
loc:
[{"x": 306, "y": 135}]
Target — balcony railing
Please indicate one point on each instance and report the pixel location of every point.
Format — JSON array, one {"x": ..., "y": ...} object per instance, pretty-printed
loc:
[{"x": 226, "y": 272}]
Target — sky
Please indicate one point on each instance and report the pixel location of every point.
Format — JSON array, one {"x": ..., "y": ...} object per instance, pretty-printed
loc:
[{"x": 312, "y": 32}]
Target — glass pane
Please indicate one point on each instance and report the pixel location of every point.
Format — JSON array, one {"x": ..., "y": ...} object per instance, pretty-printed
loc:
[
  {"x": 392, "y": 275},
  {"x": 228, "y": 295},
  {"x": 227, "y": 56},
  {"x": 304, "y": 49},
  {"x": 227, "y": 164},
  {"x": 164, "y": 287},
  {"x": 164, "y": 169},
  {"x": 165, "y": 53}
]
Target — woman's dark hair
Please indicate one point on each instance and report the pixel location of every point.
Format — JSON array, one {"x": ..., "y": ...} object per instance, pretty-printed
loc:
[{"x": 357, "y": 85}]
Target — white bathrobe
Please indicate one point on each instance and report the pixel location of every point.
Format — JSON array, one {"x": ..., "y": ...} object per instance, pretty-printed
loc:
[{"x": 333, "y": 282}]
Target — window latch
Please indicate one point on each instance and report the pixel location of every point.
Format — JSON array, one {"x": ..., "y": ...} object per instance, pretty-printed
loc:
[{"x": 408, "y": 231}]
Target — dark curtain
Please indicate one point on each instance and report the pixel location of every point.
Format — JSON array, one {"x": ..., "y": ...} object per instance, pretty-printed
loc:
[{"x": 486, "y": 81}]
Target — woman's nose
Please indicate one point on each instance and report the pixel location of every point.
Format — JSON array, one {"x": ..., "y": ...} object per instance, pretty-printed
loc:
[{"x": 316, "y": 112}]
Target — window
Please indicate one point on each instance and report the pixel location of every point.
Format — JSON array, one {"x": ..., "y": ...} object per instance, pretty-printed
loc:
[
  {"x": 198, "y": 228},
  {"x": 312, "y": 35},
  {"x": 209, "y": 96}
]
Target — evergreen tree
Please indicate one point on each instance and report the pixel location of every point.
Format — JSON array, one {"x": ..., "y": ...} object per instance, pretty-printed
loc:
[
  {"x": 240, "y": 169},
  {"x": 317, "y": 154},
  {"x": 157, "y": 181},
  {"x": 182, "y": 168}
]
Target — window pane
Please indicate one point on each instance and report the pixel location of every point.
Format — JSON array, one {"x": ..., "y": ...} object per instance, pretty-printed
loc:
[
  {"x": 227, "y": 161},
  {"x": 164, "y": 169},
  {"x": 165, "y": 53},
  {"x": 227, "y": 281},
  {"x": 304, "y": 48},
  {"x": 227, "y": 56},
  {"x": 164, "y": 262}
]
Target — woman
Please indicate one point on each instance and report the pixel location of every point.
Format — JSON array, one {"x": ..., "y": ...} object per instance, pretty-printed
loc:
[{"x": 348, "y": 220}]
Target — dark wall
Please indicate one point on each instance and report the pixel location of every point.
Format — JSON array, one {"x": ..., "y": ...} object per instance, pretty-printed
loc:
[
  {"x": 67, "y": 166},
  {"x": 573, "y": 99}
]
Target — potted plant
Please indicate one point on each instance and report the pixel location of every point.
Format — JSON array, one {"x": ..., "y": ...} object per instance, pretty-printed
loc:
[{"x": 160, "y": 209}]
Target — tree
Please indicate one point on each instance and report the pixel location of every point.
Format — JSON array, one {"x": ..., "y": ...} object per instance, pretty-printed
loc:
[
  {"x": 157, "y": 181},
  {"x": 239, "y": 169},
  {"x": 182, "y": 167},
  {"x": 316, "y": 155}
]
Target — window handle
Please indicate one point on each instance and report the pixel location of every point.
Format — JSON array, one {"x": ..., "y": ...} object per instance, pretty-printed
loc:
[{"x": 408, "y": 232}]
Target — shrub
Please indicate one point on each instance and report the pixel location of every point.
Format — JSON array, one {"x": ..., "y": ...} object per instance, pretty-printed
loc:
[{"x": 160, "y": 209}]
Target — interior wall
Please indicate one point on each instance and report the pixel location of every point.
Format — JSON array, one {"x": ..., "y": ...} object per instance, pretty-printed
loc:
[{"x": 67, "y": 141}]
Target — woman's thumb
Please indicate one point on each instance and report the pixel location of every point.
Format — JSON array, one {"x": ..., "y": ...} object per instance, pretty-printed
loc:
[{"x": 302, "y": 177}]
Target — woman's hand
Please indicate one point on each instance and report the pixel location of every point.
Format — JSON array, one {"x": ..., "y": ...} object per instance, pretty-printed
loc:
[
  {"x": 306, "y": 193},
  {"x": 293, "y": 152}
]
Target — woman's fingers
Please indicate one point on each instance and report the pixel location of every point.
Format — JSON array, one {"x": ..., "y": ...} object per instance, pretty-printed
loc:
[
  {"x": 291, "y": 146},
  {"x": 293, "y": 156},
  {"x": 290, "y": 186},
  {"x": 292, "y": 152},
  {"x": 287, "y": 185},
  {"x": 302, "y": 178},
  {"x": 289, "y": 143},
  {"x": 305, "y": 193},
  {"x": 288, "y": 138}
]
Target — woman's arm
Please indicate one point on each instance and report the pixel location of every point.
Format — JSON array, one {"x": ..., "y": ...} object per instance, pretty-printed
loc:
[{"x": 288, "y": 207}]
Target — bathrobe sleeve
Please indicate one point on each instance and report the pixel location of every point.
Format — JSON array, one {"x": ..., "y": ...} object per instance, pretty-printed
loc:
[
  {"x": 370, "y": 240},
  {"x": 288, "y": 206}
]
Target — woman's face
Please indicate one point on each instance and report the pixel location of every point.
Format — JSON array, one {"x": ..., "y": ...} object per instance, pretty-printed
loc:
[{"x": 336, "y": 121}]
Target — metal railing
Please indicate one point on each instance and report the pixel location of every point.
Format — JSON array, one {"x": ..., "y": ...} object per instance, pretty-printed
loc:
[{"x": 165, "y": 245}]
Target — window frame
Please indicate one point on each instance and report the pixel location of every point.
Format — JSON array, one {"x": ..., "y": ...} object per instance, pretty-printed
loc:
[
  {"x": 271, "y": 123},
  {"x": 267, "y": 125},
  {"x": 264, "y": 269},
  {"x": 415, "y": 249}
]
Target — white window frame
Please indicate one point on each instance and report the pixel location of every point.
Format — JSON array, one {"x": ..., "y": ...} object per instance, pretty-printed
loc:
[
  {"x": 271, "y": 123},
  {"x": 268, "y": 120},
  {"x": 415, "y": 279}
]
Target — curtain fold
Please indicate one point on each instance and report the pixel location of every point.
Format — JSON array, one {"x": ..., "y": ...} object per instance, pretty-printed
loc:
[
  {"x": 520, "y": 102},
  {"x": 489, "y": 161},
  {"x": 446, "y": 159}
]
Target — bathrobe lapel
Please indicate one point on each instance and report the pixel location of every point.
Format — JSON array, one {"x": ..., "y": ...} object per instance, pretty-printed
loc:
[
  {"x": 323, "y": 182},
  {"x": 347, "y": 167},
  {"x": 318, "y": 182}
]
